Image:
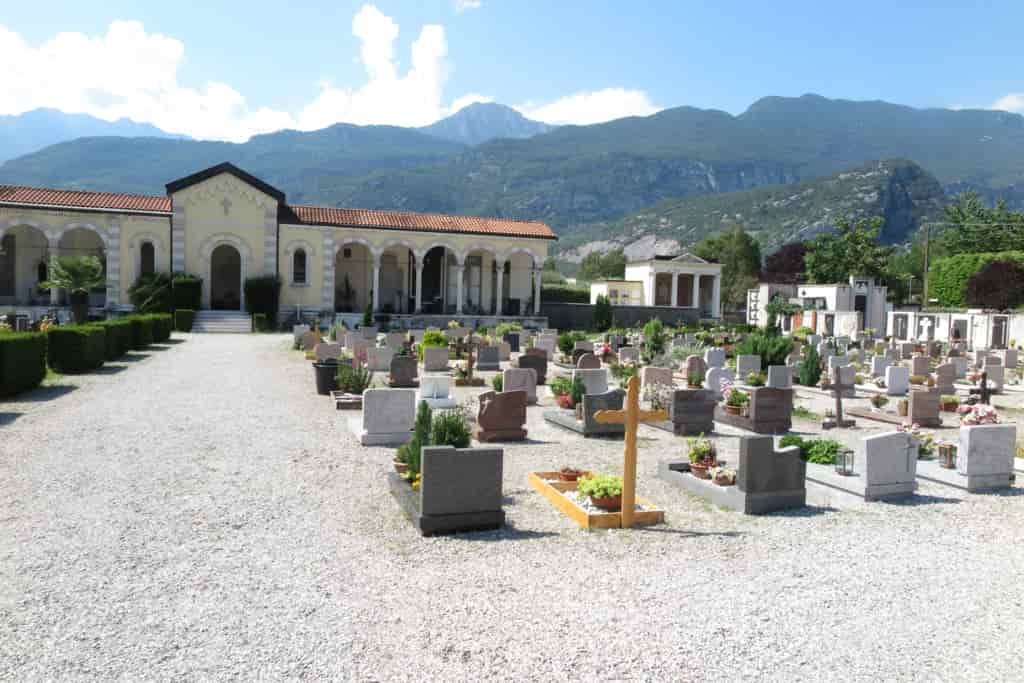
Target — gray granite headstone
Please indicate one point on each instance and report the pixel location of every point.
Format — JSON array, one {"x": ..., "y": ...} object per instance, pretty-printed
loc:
[
  {"x": 594, "y": 381},
  {"x": 521, "y": 379},
  {"x": 713, "y": 380},
  {"x": 780, "y": 377},
  {"x": 888, "y": 463},
  {"x": 588, "y": 361},
  {"x": 460, "y": 481},
  {"x": 715, "y": 358},
  {"x": 692, "y": 411},
  {"x": 379, "y": 359},
  {"x": 629, "y": 354},
  {"x": 487, "y": 359},
  {"x": 537, "y": 364},
  {"x": 403, "y": 371},
  {"x": 878, "y": 366},
  {"x": 747, "y": 363},
  {"x": 897, "y": 380},
  {"x": 388, "y": 416},
  {"x": 986, "y": 452},
  {"x": 435, "y": 359},
  {"x": 919, "y": 365},
  {"x": 650, "y": 374}
]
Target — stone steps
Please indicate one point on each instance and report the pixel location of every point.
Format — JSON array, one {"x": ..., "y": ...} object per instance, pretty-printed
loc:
[{"x": 230, "y": 322}]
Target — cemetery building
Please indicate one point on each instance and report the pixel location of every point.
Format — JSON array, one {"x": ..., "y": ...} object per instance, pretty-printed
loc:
[
  {"x": 827, "y": 309},
  {"x": 977, "y": 328},
  {"x": 681, "y": 281},
  {"x": 225, "y": 225}
]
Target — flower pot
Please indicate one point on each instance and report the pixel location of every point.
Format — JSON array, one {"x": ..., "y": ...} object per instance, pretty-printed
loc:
[
  {"x": 613, "y": 503},
  {"x": 326, "y": 374},
  {"x": 400, "y": 467},
  {"x": 570, "y": 475},
  {"x": 732, "y": 410},
  {"x": 700, "y": 470},
  {"x": 948, "y": 407},
  {"x": 901, "y": 407},
  {"x": 693, "y": 386}
]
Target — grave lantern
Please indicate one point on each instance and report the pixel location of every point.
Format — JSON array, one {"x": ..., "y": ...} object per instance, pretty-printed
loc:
[
  {"x": 844, "y": 461},
  {"x": 947, "y": 455}
]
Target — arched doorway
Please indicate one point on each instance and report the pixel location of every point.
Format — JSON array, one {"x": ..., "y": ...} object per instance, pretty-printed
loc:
[{"x": 225, "y": 279}]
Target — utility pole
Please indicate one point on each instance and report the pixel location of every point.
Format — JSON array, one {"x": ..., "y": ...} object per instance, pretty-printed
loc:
[{"x": 924, "y": 275}]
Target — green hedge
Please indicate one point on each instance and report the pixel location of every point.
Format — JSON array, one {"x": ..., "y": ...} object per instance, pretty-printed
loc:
[
  {"x": 564, "y": 294},
  {"x": 163, "y": 325},
  {"x": 22, "y": 361},
  {"x": 262, "y": 296},
  {"x": 76, "y": 348},
  {"x": 187, "y": 291},
  {"x": 119, "y": 336},
  {"x": 142, "y": 331},
  {"x": 183, "y": 319},
  {"x": 259, "y": 322},
  {"x": 947, "y": 278}
]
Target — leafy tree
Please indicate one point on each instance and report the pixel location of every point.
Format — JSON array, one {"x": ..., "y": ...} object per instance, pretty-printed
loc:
[
  {"x": 786, "y": 266},
  {"x": 78, "y": 275},
  {"x": 740, "y": 256},
  {"x": 852, "y": 250},
  {"x": 602, "y": 313},
  {"x": 997, "y": 284},
  {"x": 655, "y": 340},
  {"x": 598, "y": 266},
  {"x": 903, "y": 265},
  {"x": 773, "y": 348},
  {"x": 776, "y": 307},
  {"x": 151, "y": 293},
  {"x": 972, "y": 227}
]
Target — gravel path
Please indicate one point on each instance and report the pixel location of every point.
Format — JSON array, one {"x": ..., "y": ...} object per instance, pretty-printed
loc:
[{"x": 202, "y": 514}]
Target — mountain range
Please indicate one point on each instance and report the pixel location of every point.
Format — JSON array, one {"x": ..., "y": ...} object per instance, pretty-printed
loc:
[{"x": 587, "y": 180}]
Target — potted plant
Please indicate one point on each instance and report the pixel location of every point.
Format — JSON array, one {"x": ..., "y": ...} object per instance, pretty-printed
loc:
[
  {"x": 879, "y": 401},
  {"x": 576, "y": 392},
  {"x": 570, "y": 473},
  {"x": 694, "y": 380},
  {"x": 604, "y": 491},
  {"x": 723, "y": 476},
  {"x": 755, "y": 379},
  {"x": 701, "y": 455},
  {"x": 949, "y": 403},
  {"x": 735, "y": 400}
]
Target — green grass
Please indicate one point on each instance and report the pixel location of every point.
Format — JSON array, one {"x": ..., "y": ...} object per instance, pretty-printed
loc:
[{"x": 800, "y": 411}]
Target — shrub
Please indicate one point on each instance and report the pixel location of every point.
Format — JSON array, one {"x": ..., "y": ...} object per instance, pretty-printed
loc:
[
  {"x": 368, "y": 315},
  {"x": 823, "y": 451},
  {"x": 564, "y": 294},
  {"x": 119, "y": 336},
  {"x": 142, "y": 331},
  {"x": 772, "y": 347},
  {"x": 152, "y": 293},
  {"x": 186, "y": 291},
  {"x": 567, "y": 341},
  {"x": 497, "y": 382},
  {"x": 501, "y": 330},
  {"x": 259, "y": 322},
  {"x": 183, "y": 319},
  {"x": 810, "y": 368},
  {"x": 354, "y": 379},
  {"x": 410, "y": 453},
  {"x": 601, "y": 486},
  {"x": 997, "y": 284},
  {"x": 449, "y": 428},
  {"x": 948, "y": 277},
  {"x": 654, "y": 342},
  {"x": 602, "y": 313},
  {"x": 801, "y": 333},
  {"x": 431, "y": 338},
  {"x": 755, "y": 379},
  {"x": 263, "y": 296},
  {"x": 577, "y": 390},
  {"x": 22, "y": 361},
  {"x": 560, "y": 386},
  {"x": 163, "y": 325},
  {"x": 76, "y": 348}
]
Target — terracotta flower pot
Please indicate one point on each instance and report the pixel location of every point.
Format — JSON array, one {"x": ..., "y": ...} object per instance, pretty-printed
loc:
[
  {"x": 570, "y": 474},
  {"x": 732, "y": 410},
  {"x": 400, "y": 467},
  {"x": 613, "y": 503},
  {"x": 700, "y": 470},
  {"x": 693, "y": 386}
]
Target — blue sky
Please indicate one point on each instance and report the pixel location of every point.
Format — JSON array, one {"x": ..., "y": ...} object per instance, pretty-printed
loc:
[{"x": 234, "y": 68}]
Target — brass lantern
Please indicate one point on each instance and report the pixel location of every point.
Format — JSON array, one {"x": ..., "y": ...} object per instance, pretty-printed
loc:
[{"x": 844, "y": 461}]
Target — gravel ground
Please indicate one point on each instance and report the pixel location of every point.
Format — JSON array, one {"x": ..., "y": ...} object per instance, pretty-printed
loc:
[{"x": 202, "y": 514}]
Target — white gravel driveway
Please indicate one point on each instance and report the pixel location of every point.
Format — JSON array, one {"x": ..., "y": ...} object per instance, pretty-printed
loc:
[{"x": 202, "y": 514}]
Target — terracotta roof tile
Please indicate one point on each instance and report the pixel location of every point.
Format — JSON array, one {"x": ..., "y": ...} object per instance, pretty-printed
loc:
[
  {"x": 78, "y": 199},
  {"x": 405, "y": 220}
]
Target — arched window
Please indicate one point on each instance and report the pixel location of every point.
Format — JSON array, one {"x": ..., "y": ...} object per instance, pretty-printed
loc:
[
  {"x": 147, "y": 259},
  {"x": 299, "y": 267}
]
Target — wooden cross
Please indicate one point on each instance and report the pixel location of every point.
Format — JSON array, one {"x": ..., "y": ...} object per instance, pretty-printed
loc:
[
  {"x": 631, "y": 417},
  {"x": 837, "y": 388}
]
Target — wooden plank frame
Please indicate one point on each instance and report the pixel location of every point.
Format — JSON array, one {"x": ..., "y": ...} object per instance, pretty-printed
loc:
[{"x": 548, "y": 485}]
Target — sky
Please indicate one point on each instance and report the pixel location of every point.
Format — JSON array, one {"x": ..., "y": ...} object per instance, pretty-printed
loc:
[{"x": 229, "y": 69}]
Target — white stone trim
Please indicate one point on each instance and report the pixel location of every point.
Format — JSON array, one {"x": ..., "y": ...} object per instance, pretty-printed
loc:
[{"x": 327, "y": 282}]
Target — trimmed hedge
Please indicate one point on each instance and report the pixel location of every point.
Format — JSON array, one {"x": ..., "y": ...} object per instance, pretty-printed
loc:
[
  {"x": 947, "y": 278},
  {"x": 142, "y": 331},
  {"x": 263, "y": 295},
  {"x": 186, "y": 291},
  {"x": 22, "y": 361},
  {"x": 183, "y": 319},
  {"x": 76, "y": 348},
  {"x": 564, "y": 294},
  {"x": 119, "y": 336},
  {"x": 259, "y": 322},
  {"x": 163, "y": 325}
]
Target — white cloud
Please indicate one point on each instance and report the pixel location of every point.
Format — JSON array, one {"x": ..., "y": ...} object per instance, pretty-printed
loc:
[
  {"x": 129, "y": 72},
  {"x": 596, "y": 106},
  {"x": 1012, "y": 102},
  {"x": 463, "y": 5}
]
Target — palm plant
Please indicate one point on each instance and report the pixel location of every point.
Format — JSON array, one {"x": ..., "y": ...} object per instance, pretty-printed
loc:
[{"x": 78, "y": 275}]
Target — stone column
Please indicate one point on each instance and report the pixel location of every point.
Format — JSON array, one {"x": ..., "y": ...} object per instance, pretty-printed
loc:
[
  {"x": 696, "y": 292},
  {"x": 458, "y": 304},
  {"x": 419, "y": 284},
  {"x": 53, "y": 251},
  {"x": 113, "y": 254},
  {"x": 376, "y": 284},
  {"x": 716, "y": 297},
  {"x": 500, "y": 268},
  {"x": 675, "y": 289},
  {"x": 537, "y": 272},
  {"x": 327, "y": 288},
  {"x": 651, "y": 295}
]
